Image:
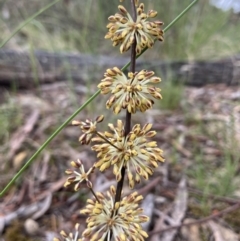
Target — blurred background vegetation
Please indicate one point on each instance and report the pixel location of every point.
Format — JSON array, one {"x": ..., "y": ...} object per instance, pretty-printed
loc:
[{"x": 206, "y": 32}]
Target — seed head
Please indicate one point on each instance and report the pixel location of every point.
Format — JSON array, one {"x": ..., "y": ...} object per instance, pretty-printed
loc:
[
  {"x": 89, "y": 128},
  {"x": 123, "y": 30},
  {"x": 78, "y": 177},
  {"x": 121, "y": 220},
  {"x": 135, "y": 92},
  {"x": 134, "y": 152}
]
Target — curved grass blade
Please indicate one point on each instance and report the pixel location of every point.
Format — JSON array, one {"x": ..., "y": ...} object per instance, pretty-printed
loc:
[
  {"x": 79, "y": 110},
  {"x": 24, "y": 23}
]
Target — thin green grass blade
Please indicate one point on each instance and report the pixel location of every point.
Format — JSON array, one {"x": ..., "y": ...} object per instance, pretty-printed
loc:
[
  {"x": 48, "y": 141},
  {"x": 179, "y": 16},
  {"x": 24, "y": 23},
  {"x": 79, "y": 110}
]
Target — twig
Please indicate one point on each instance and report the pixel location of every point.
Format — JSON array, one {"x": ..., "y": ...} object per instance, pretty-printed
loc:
[
  {"x": 199, "y": 192},
  {"x": 200, "y": 221}
]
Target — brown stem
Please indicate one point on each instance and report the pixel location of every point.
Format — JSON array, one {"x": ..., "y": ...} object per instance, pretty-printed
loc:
[
  {"x": 94, "y": 194},
  {"x": 134, "y": 10},
  {"x": 128, "y": 115},
  {"x": 105, "y": 139},
  {"x": 133, "y": 50}
]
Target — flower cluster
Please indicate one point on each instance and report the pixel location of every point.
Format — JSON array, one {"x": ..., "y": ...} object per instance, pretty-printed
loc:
[
  {"x": 133, "y": 93},
  {"x": 88, "y": 128},
  {"x": 123, "y": 30},
  {"x": 111, "y": 216},
  {"x": 80, "y": 176},
  {"x": 120, "y": 220},
  {"x": 134, "y": 152}
]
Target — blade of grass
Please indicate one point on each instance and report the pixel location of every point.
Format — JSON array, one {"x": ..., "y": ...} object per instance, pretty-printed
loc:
[
  {"x": 78, "y": 111},
  {"x": 166, "y": 29},
  {"x": 48, "y": 141},
  {"x": 24, "y": 23}
]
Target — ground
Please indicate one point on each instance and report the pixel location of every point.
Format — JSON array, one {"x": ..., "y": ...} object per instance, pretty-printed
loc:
[{"x": 200, "y": 137}]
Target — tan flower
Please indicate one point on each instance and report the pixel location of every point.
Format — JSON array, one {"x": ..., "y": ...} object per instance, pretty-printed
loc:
[
  {"x": 133, "y": 93},
  {"x": 80, "y": 176},
  {"x": 89, "y": 128},
  {"x": 123, "y": 30},
  {"x": 134, "y": 152},
  {"x": 70, "y": 236},
  {"x": 121, "y": 220}
]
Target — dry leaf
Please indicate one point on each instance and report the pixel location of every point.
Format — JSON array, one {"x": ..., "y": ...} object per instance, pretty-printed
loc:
[
  {"x": 18, "y": 160},
  {"x": 190, "y": 233}
]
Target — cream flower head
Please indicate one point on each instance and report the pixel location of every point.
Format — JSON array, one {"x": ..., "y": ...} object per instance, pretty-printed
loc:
[
  {"x": 89, "y": 129},
  {"x": 78, "y": 177},
  {"x": 123, "y": 30},
  {"x": 135, "y": 92},
  {"x": 134, "y": 152},
  {"x": 121, "y": 220}
]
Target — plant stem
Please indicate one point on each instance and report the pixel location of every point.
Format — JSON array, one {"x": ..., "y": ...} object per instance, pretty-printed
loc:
[
  {"x": 128, "y": 115},
  {"x": 105, "y": 139},
  {"x": 179, "y": 16},
  {"x": 94, "y": 194}
]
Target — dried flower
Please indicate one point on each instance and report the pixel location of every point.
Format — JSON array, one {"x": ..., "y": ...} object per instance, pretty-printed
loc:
[
  {"x": 134, "y": 152},
  {"x": 121, "y": 220},
  {"x": 70, "y": 236},
  {"x": 80, "y": 176},
  {"x": 88, "y": 128},
  {"x": 123, "y": 30},
  {"x": 133, "y": 93}
]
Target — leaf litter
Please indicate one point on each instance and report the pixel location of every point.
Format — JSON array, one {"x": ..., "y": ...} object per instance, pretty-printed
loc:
[{"x": 200, "y": 139}]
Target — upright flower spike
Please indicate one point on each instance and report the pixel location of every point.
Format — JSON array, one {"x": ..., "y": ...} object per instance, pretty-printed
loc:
[
  {"x": 120, "y": 220},
  {"x": 89, "y": 129},
  {"x": 123, "y": 30},
  {"x": 135, "y": 92},
  {"x": 134, "y": 152}
]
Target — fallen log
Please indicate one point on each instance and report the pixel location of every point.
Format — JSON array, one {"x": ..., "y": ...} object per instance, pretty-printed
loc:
[{"x": 24, "y": 70}]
